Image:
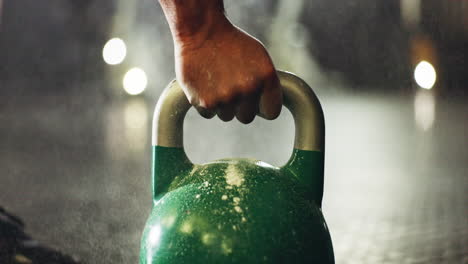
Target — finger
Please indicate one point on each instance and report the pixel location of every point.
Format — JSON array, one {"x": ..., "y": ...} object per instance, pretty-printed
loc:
[
  {"x": 206, "y": 113},
  {"x": 247, "y": 109},
  {"x": 271, "y": 100},
  {"x": 226, "y": 112}
]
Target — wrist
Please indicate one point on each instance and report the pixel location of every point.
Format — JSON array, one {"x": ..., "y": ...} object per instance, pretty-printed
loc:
[{"x": 194, "y": 21}]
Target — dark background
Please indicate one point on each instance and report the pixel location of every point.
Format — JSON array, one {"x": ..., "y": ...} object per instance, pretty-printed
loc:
[{"x": 75, "y": 148}]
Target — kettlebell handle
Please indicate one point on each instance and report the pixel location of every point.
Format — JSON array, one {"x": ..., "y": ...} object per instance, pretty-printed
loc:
[
  {"x": 298, "y": 98},
  {"x": 307, "y": 160}
]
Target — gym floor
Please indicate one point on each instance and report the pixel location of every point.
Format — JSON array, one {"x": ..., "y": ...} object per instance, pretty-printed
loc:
[{"x": 77, "y": 171}]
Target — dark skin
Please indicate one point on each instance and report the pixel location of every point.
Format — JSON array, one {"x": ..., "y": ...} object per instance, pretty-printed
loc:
[{"x": 221, "y": 68}]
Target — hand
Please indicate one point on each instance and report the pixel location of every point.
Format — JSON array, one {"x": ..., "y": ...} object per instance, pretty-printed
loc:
[{"x": 227, "y": 72}]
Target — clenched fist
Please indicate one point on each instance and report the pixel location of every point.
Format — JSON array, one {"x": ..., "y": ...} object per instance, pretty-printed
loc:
[{"x": 221, "y": 69}]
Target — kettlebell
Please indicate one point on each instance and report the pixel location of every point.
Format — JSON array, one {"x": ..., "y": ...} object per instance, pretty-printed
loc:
[{"x": 237, "y": 210}]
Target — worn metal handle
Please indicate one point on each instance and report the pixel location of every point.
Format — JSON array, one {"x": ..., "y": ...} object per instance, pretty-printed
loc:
[{"x": 298, "y": 98}]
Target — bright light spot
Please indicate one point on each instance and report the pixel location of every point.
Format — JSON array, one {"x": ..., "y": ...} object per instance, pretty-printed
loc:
[
  {"x": 154, "y": 235},
  {"x": 264, "y": 164},
  {"x": 135, "y": 81},
  {"x": 425, "y": 75},
  {"x": 424, "y": 109},
  {"x": 238, "y": 209},
  {"x": 208, "y": 239},
  {"x": 114, "y": 51},
  {"x": 186, "y": 228}
]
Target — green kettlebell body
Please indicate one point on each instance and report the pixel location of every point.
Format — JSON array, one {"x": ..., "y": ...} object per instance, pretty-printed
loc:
[{"x": 237, "y": 210}]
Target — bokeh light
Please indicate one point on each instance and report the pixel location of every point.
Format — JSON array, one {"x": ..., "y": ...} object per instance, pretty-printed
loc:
[
  {"x": 425, "y": 75},
  {"x": 114, "y": 52},
  {"x": 154, "y": 235},
  {"x": 135, "y": 81}
]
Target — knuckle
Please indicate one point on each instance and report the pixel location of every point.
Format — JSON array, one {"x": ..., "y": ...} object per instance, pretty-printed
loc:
[{"x": 248, "y": 87}]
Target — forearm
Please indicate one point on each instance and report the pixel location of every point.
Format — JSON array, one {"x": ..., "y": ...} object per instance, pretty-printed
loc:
[{"x": 193, "y": 18}]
